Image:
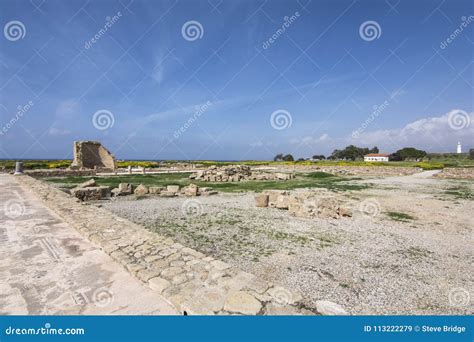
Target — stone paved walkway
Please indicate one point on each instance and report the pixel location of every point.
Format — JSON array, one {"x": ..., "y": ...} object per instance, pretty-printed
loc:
[
  {"x": 193, "y": 282},
  {"x": 47, "y": 267}
]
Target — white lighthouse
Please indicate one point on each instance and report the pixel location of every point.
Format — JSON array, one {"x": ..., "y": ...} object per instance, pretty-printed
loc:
[{"x": 459, "y": 149}]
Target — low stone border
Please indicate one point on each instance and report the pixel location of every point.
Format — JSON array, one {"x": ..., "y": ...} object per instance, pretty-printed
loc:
[
  {"x": 59, "y": 173},
  {"x": 192, "y": 281}
]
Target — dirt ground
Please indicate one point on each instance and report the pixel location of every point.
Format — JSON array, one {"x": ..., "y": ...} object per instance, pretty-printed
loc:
[{"x": 406, "y": 250}]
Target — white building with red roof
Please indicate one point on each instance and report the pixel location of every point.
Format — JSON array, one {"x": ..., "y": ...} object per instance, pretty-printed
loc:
[{"x": 376, "y": 157}]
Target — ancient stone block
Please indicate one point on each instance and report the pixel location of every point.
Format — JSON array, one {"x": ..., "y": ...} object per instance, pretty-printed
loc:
[
  {"x": 191, "y": 190},
  {"x": 92, "y": 155},
  {"x": 158, "y": 284},
  {"x": 273, "y": 195},
  {"x": 155, "y": 189},
  {"x": 91, "y": 193},
  {"x": 125, "y": 189},
  {"x": 172, "y": 188},
  {"x": 282, "y": 201},
  {"x": 261, "y": 200},
  {"x": 243, "y": 303},
  {"x": 141, "y": 190}
]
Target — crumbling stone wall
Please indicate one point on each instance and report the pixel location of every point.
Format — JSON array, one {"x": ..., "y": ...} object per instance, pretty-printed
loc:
[
  {"x": 92, "y": 155},
  {"x": 237, "y": 173}
]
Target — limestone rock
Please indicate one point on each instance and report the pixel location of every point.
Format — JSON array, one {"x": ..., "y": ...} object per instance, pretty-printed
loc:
[
  {"x": 125, "y": 189},
  {"x": 191, "y": 190},
  {"x": 243, "y": 303},
  {"x": 170, "y": 272},
  {"x": 141, "y": 190},
  {"x": 172, "y": 188},
  {"x": 282, "y": 202},
  {"x": 91, "y": 193},
  {"x": 156, "y": 190},
  {"x": 273, "y": 195},
  {"x": 206, "y": 300},
  {"x": 158, "y": 284},
  {"x": 261, "y": 200},
  {"x": 327, "y": 308}
]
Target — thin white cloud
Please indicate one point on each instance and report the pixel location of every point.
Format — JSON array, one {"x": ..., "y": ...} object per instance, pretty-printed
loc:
[
  {"x": 53, "y": 131},
  {"x": 311, "y": 141},
  {"x": 67, "y": 109},
  {"x": 440, "y": 133},
  {"x": 159, "y": 69}
]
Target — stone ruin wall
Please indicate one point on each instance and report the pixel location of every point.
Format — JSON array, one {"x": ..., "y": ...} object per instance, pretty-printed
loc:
[{"x": 92, "y": 155}]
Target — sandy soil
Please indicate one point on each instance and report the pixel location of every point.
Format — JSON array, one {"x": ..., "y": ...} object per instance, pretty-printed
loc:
[{"x": 371, "y": 263}]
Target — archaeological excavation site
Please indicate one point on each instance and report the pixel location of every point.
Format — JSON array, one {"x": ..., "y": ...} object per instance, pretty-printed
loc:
[
  {"x": 272, "y": 238},
  {"x": 237, "y": 171}
]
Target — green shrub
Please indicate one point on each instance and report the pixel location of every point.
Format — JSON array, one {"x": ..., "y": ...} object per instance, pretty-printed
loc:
[{"x": 430, "y": 166}]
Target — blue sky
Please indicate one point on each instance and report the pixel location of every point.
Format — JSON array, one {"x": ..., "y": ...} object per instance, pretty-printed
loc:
[{"x": 229, "y": 88}]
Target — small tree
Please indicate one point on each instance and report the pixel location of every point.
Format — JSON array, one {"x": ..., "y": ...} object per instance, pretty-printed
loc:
[
  {"x": 278, "y": 157},
  {"x": 288, "y": 157},
  {"x": 408, "y": 153},
  {"x": 319, "y": 157},
  {"x": 471, "y": 153}
]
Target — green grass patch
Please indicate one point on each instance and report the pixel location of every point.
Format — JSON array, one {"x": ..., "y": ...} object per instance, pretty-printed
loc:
[
  {"x": 402, "y": 217},
  {"x": 460, "y": 192},
  {"x": 312, "y": 180},
  {"x": 319, "y": 175}
]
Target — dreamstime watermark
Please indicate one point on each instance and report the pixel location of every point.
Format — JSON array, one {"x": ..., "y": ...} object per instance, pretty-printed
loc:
[
  {"x": 109, "y": 22},
  {"x": 370, "y": 30},
  {"x": 192, "y": 30},
  {"x": 370, "y": 207},
  {"x": 286, "y": 24},
  {"x": 377, "y": 110},
  {"x": 459, "y": 297},
  {"x": 21, "y": 110},
  {"x": 46, "y": 330},
  {"x": 465, "y": 22},
  {"x": 103, "y": 119},
  {"x": 281, "y": 296},
  {"x": 197, "y": 113},
  {"x": 191, "y": 208},
  {"x": 14, "y": 30},
  {"x": 14, "y": 207},
  {"x": 459, "y": 119},
  {"x": 101, "y": 297},
  {"x": 281, "y": 119}
]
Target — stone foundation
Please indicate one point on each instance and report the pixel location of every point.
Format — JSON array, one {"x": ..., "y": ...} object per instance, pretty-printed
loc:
[{"x": 192, "y": 281}]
